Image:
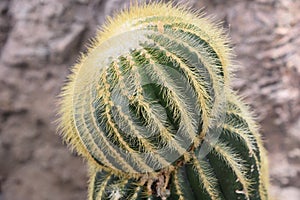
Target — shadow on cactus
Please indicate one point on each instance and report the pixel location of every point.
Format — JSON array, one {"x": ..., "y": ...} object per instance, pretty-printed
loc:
[{"x": 151, "y": 110}]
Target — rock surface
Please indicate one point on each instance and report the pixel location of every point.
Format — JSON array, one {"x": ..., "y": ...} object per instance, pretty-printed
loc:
[{"x": 40, "y": 40}]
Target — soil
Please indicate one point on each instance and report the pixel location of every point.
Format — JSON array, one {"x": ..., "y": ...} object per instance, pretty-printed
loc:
[{"x": 40, "y": 40}]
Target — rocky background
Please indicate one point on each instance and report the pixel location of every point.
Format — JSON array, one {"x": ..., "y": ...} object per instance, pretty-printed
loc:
[{"x": 41, "y": 39}]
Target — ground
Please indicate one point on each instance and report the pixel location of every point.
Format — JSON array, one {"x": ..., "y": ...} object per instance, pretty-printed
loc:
[{"x": 41, "y": 39}]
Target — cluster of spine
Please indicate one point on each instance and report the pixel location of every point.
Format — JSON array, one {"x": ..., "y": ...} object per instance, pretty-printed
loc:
[{"x": 141, "y": 104}]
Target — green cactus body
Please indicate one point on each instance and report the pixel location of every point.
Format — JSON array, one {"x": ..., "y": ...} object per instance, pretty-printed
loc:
[{"x": 151, "y": 110}]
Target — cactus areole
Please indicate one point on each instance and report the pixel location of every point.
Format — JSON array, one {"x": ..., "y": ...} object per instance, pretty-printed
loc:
[{"x": 151, "y": 110}]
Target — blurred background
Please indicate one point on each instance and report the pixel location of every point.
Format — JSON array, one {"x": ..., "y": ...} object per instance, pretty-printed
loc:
[{"x": 41, "y": 39}]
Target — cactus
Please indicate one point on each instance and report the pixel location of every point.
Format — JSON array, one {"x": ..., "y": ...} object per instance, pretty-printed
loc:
[{"x": 151, "y": 110}]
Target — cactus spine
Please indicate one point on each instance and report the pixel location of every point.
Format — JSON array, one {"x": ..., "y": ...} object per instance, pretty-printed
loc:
[{"x": 151, "y": 110}]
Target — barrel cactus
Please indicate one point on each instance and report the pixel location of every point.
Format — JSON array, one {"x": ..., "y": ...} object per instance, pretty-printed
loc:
[{"x": 151, "y": 110}]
